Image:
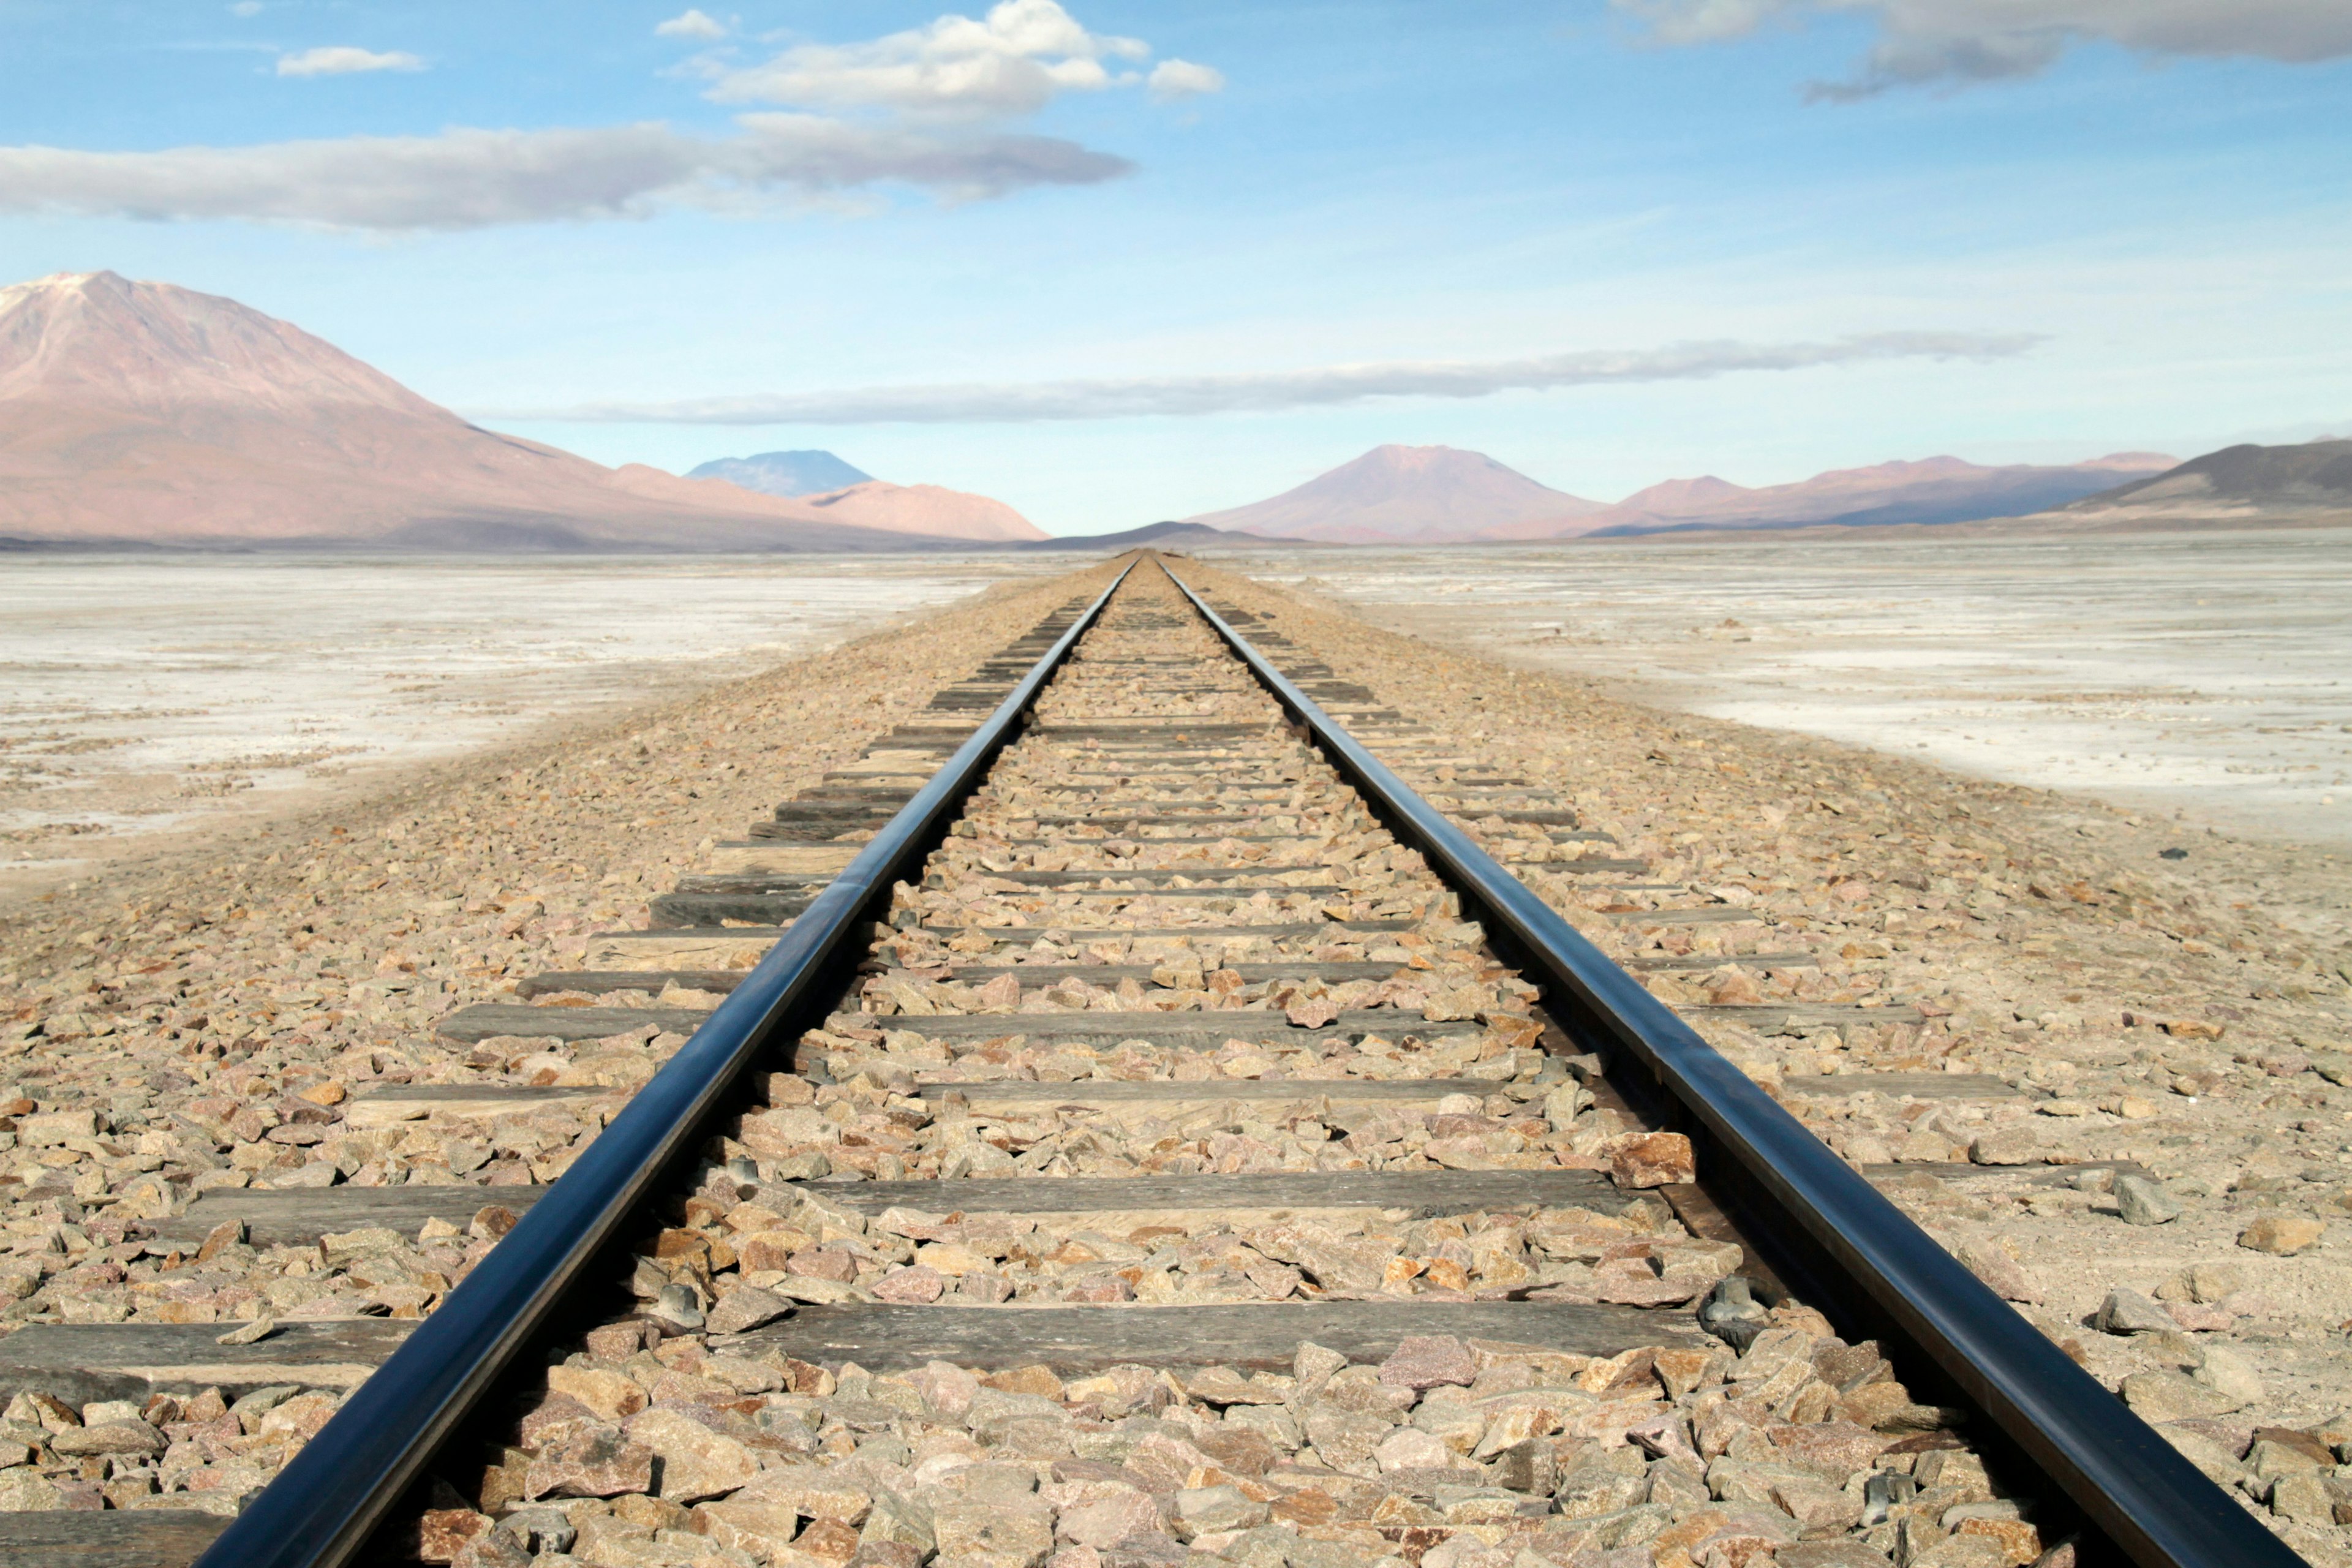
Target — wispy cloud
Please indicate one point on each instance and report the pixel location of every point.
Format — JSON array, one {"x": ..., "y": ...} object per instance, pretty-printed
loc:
[
  {"x": 1962, "y": 41},
  {"x": 1182, "y": 79},
  {"x": 1013, "y": 61},
  {"x": 474, "y": 178},
  {"x": 691, "y": 24},
  {"x": 1265, "y": 391},
  {"x": 341, "y": 59}
]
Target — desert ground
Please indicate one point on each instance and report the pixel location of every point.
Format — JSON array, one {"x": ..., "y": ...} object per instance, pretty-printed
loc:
[{"x": 152, "y": 702}]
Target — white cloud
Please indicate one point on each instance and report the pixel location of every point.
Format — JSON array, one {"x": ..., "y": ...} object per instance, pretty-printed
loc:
[
  {"x": 1018, "y": 59},
  {"x": 474, "y": 178},
  {"x": 245, "y": 8},
  {"x": 337, "y": 59},
  {"x": 1257, "y": 391},
  {"x": 1959, "y": 41},
  {"x": 1182, "y": 79},
  {"x": 691, "y": 24}
]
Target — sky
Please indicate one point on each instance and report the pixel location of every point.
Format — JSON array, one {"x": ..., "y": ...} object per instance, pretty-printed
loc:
[{"x": 1113, "y": 263}]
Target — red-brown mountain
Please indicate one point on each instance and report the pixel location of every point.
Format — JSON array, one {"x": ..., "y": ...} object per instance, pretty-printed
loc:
[
  {"x": 1403, "y": 495},
  {"x": 148, "y": 414},
  {"x": 1933, "y": 489}
]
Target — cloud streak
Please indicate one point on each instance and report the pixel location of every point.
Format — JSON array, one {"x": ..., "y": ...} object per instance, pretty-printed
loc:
[
  {"x": 1270, "y": 391},
  {"x": 342, "y": 59},
  {"x": 1958, "y": 42},
  {"x": 464, "y": 178}
]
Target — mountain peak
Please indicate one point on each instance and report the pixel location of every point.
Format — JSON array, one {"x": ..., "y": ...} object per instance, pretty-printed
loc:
[
  {"x": 784, "y": 473},
  {"x": 99, "y": 337},
  {"x": 1397, "y": 494}
]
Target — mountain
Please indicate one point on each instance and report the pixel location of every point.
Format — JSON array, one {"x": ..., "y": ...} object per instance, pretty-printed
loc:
[
  {"x": 783, "y": 473},
  {"x": 1933, "y": 491},
  {"x": 1405, "y": 495},
  {"x": 1168, "y": 534},
  {"x": 150, "y": 413},
  {"x": 2246, "y": 480},
  {"x": 925, "y": 510}
]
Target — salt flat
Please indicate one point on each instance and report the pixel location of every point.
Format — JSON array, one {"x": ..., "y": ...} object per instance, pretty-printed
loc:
[
  {"x": 2206, "y": 673},
  {"x": 142, "y": 697}
]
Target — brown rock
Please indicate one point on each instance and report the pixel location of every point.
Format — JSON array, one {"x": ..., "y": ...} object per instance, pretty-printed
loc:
[
  {"x": 614, "y": 1396},
  {"x": 763, "y": 1529},
  {"x": 599, "y": 1463},
  {"x": 1651, "y": 1159},
  {"x": 2284, "y": 1234},
  {"x": 1430, "y": 1360},
  {"x": 746, "y": 1308},
  {"x": 1036, "y": 1379},
  {"x": 696, "y": 1462},
  {"x": 832, "y": 1263},
  {"x": 440, "y": 1531}
]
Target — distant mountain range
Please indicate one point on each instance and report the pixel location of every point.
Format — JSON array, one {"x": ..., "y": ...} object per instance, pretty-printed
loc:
[
  {"x": 2246, "y": 482},
  {"x": 146, "y": 413},
  {"x": 1438, "y": 494},
  {"x": 784, "y": 473}
]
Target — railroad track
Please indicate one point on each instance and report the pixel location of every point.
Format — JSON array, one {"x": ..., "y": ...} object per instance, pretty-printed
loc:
[{"x": 1138, "y": 1124}]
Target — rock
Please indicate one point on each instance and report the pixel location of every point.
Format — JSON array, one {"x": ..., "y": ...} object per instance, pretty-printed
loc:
[
  {"x": 112, "y": 1439},
  {"x": 917, "y": 1286},
  {"x": 2229, "y": 1374},
  {"x": 2204, "y": 1282},
  {"x": 993, "y": 1535},
  {"x": 1409, "y": 1449},
  {"x": 491, "y": 1549},
  {"x": 1651, "y": 1159},
  {"x": 24, "y": 1489},
  {"x": 442, "y": 1532},
  {"x": 2303, "y": 1498},
  {"x": 1430, "y": 1360},
  {"x": 2006, "y": 1146},
  {"x": 676, "y": 1310},
  {"x": 763, "y": 1529},
  {"x": 1732, "y": 1312},
  {"x": 946, "y": 1389},
  {"x": 254, "y": 1332},
  {"x": 1205, "y": 1510},
  {"x": 2165, "y": 1395},
  {"x": 2144, "y": 1202},
  {"x": 1109, "y": 1521},
  {"x": 900, "y": 1520},
  {"x": 696, "y": 1462},
  {"x": 600, "y": 1463},
  {"x": 746, "y": 1308},
  {"x": 2284, "y": 1234},
  {"x": 2126, "y": 1312},
  {"x": 812, "y": 1491},
  {"x": 614, "y": 1396},
  {"x": 2002, "y": 1273}
]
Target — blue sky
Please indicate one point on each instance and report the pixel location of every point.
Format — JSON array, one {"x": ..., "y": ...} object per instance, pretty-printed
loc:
[{"x": 1210, "y": 251}]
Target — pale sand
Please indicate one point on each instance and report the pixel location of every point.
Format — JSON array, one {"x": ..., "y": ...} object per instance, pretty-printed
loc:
[
  {"x": 150, "y": 701},
  {"x": 2203, "y": 674}
]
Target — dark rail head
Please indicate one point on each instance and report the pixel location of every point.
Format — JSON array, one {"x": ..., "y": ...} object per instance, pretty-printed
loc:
[
  {"x": 321, "y": 1509},
  {"x": 2153, "y": 1506}
]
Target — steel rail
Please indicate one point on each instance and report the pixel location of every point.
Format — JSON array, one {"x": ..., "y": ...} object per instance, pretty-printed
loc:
[
  {"x": 2155, "y": 1506},
  {"x": 322, "y": 1508}
]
